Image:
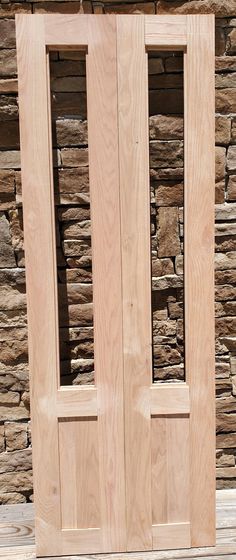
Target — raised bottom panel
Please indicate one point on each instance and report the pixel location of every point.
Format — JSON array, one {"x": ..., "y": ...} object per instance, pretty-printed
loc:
[
  {"x": 170, "y": 470},
  {"x": 79, "y": 473}
]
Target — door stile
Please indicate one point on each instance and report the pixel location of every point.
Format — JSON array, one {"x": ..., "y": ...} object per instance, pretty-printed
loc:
[
  {"x": 136, "y": 275},
  {"x": 102, "y": 98},
  {"x": 42, "y": 306},
  {"x": 199, "y": 141}
]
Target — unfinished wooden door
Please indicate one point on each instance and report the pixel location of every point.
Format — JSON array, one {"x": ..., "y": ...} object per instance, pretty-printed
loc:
[{"x": 125, "y": 464}]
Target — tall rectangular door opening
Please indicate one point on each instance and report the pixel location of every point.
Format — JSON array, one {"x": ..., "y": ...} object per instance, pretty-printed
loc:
[{"x": 122, "y": 464}]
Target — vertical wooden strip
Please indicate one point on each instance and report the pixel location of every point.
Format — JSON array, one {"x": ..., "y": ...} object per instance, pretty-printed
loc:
[
  {"x": 106, "y": 250},
  {"x": 199, "y": 272},
  {"x": 39, "y": 233},
  {"x": 135, "y": 228}
]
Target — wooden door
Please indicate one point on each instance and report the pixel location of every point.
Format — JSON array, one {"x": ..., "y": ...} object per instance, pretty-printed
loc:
[{"x": 125, "y": 464}]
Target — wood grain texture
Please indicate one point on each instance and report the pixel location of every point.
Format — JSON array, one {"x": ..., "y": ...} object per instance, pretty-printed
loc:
[
  {"x": 135, "y": 238},
  {"x": 66, "y": 31},
  {"x": 170, "y": 470},
  {"x": 40, "y": 255},
  {"x": 74, "y": 401},
  {"x": 78, "y": 447},
  {"x": 169, "y": 398},
  {"x": 166, "y": 31},
  {"x": 171, "y": 535},
  {"x": 111, "y": 451},
  {"x": 199, "y": 271},
  {"x": 107, "y": 288}
]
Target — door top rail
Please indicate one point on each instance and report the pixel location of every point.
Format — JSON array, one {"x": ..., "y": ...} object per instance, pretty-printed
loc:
[{"x": 71, "y": 31}]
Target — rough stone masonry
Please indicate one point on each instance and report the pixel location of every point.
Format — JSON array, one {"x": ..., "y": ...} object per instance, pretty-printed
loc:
[{"x": 72, "y": 209}]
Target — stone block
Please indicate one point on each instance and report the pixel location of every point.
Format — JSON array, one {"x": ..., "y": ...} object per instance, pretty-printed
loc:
[
  {"x": 13, "y": 413},
  {"x": 169, "y": 194},
  {"x": 16, "y": 435},
  {"x": 9, "y": 10},
  {"x": 223, "y": 129},
  {"x": 231, "y": 159},
  {"x": 12, "y": 498},
  {"x": 10, "y": 159},
  {"x": 8, "y": 85},
  {"x": 231, "y": 41},
  {"x": 130, "y": 8},
  {"x": 164, "y": 355},
  {"x": 225, "y": 63},
  {"x": 220, "y": 154},
  {"x": 69, "y": 105},
  {"x": 225, "y": 80},
  {"x": 226, "y": 100},
  {"x": 155, "y": 66},
  {"x": 7, "y": 182},
  {"x": 231, "y": 189},
  {"x": 166, "y": 153},
  {"x": 224, "y": 212},
  {"x": 8, "y": 62},
  {"x": 16, "y": 481},
  {"x": 52, "y": 7},
  {"x": 166, "y": 127},
  {"x": 221, "y": 8},
  {"x": 162, "y": 267},
  {"x": 2, "y": 438},
  {"x": 225, "y": 326},
  {"x": 7, "y": 34},
  {"x": 168, "y": 232},
  {"x": 7, "y": 258},
  {"x": 8, "y": 108},
  {"x": 71, "y": 132},
  {"x": 74, "y": 157}
]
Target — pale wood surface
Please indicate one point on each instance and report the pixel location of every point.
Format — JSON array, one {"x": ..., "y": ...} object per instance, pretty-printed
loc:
[
  {"x": 106, "y": 489},
  {"x": 170, "y": 471},
  {"x": 80, "y": 504},
  {"x": 199, "y": 167},
  {"x": 77, "y": 402},
  {"x": 171, "y": 535},
  {"x": 165, "y": 31},
  {"x": 112, "y": 467},
  {"x": 18, "y": 520},
  {"x": 169, "y": 398},
  {"x": 40, "y": 255},
  {"x": 107, "y": 288},
  {"x": 136, "y": 275},
  {"x": 66, "y": 31}
]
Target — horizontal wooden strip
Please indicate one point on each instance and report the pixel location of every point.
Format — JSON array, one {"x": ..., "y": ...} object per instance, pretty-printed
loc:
[
  {"x": 84, "y": 540},
  {"x": 77, "y": 401},
  {"x": 69, "y": 541},
  {"x": 165, "y": 31},
  {"x": 169, "y": 398},
  {"x": 66, "y": 30},
  {"x": 171, "y": 535}
]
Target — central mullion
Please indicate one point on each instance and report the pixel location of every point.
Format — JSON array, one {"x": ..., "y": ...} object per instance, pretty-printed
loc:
[
  {"x": 107, "y": 289},
  {"x": 135, "y": 238}
]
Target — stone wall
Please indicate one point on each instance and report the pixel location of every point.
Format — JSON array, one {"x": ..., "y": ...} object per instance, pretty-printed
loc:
[{"x": 73, "y": 228}]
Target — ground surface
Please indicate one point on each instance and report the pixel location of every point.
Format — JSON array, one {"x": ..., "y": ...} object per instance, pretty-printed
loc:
[{"x": 17, "y": 536}]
